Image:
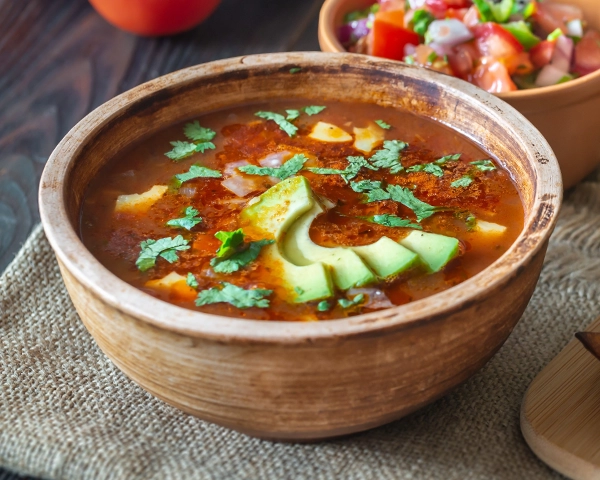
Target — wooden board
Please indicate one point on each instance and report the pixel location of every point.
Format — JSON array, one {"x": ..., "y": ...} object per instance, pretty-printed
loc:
[{"x": 560, "y": 415}]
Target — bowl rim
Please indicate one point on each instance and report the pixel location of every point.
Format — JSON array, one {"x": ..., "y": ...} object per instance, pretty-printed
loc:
[
  {"x": 327, "y": 33},
  {"x": 80, "y": 263}
]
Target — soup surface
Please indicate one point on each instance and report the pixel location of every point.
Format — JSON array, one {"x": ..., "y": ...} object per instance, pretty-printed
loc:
[{"x": 293, "y": 211}]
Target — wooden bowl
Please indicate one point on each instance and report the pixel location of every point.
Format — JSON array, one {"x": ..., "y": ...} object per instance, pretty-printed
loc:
[
  {"x": 568, "y": 115},
  {"x": 293, "y": 380}
]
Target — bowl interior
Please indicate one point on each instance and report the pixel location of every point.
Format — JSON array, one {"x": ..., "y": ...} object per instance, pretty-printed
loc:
[{"x": 488, "y": 122}]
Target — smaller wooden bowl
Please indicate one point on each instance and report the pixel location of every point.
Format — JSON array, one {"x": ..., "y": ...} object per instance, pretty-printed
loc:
[
  {"x": 568, "y": 115},
  {"x": 294, "y": 380}
]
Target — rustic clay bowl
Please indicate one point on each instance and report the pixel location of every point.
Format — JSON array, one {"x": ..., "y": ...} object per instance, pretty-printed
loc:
[
  {"x": 293, "y": 380},
  {"x": 568, "y": 115}
]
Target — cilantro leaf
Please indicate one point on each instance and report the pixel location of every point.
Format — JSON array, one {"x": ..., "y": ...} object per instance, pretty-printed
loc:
[
  {"x": 164, "y": 247},
  {"x": 471, "y": 222},
  {"x": 428, "y": 168},
  {"x": 448, "y": 158},
  {"x": 388, "y": 220},
  {"x": 292, "y": 114},
  {"x": 280, "y": 120},
  {"x": 389, "y": 156},
  {"x": 463, "y": 181},
  {"x": 382, "y": 124},
  {"x": 188, "y": 222},
  {"x": 236, "y": 296},
  {"x": 203, "y": 146},
  {"x": 323, "y": 306},
  {"x": 345, "y": 303},
  {"x": 351, "y": 171},
  {"x": 181, "y": 150},
  {"x": 289, "y": 168},
  {"x": 240, "y": 259},
  {"x": 313, "y": 109},
  {"x": 229, "y": 242},
  {"x": 191, "y": 280},
  {"x": 365, "y": 185},
  {"x": 326, "y": 171},
  {"x": 377, "y": 195},
  {"x": 354, "y": 166},
  {"x": 484, "y": 165},
  {"x": 407, "y": 198},
  {"x": 196, "y": 171},
  {"x": 295, "y": 69},
  {"x": 196, "y": 133}
]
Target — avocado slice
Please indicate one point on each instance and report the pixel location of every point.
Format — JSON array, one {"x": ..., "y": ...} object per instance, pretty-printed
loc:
[
  {"x": 269, "y": 217},
  {"x": 304, "y": 283},
  {"x": 386, "y": 257},
  {"x": 434, "y": 250},
  {"x": 275, "y": 210},
  {"x": 347, "y": 267}
]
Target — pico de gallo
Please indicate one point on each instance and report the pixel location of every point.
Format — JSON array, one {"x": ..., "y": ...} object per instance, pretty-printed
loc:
[{"x": 500, "y": 46}]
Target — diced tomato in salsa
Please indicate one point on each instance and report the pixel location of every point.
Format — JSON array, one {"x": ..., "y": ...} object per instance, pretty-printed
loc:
[
  {"x": 541, "y": 54},
  {"x": 390, "y": 37}
]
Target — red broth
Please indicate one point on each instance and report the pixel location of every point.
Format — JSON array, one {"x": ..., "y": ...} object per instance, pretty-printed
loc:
[{"x": 114, "y": 238}]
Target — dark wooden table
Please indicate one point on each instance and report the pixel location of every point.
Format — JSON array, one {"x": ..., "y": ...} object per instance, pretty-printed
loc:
[{"x": 59, "y": 60}]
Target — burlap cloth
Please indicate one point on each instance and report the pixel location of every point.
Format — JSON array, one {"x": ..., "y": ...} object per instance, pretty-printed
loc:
[{"x": 67, "y": 412}]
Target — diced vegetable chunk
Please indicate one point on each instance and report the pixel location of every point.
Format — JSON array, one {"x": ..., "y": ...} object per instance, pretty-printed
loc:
[{"x": 140, "y": 203}]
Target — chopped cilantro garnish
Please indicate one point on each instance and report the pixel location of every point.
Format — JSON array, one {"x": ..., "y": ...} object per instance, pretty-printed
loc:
[
  {"x": 295, "y": 69},
  {"x": 234, "y": 295},
  {"x": 434, "y": 167},
  {"x": 365, "y": 185},
  {"x": 410, "y": 60},
  {"x": 351, "y": 171},
  {"x": 280, "y": 120},
  {"x": 448, "y": 158},
  {"x": 289, "y": 168},
  {"x": 196, "y": 133},
  {"x": 398, "y": 194},
  {"x": 196, "y": 171},
  {"x": 191, "y": 280},
  {"x": 382, "y": 124},
  {"x": 354, "y": 166},
  {"x": 484, "y": 165},
  {"x": 313, "y": 109},
  {"x": 181, "y": 150},
  {"x": 428, "y": 168},
  {"x": 239, "y": 259},
  {"x": 229, "y": 242},
  {"x": 201, "y": 138},
  {"x": 393, "y": 221},
  {"x": 165, "y": 247},
  {"x": 292, "y": 114},
  {"x": 377, "y": 195},
  {"x": 432, "y": 57},
  {"x": 188, "y": 222},
  {"x": 299, "y": 290},
  {"x": 323, "y": 306},
  {"x": 463, "y": 181},
  {"x": 421, "y": 21},
  {"x": 407, "y": 198},
  {"x": 357, "y": 300},
  {"x": 389, "y": 156}
]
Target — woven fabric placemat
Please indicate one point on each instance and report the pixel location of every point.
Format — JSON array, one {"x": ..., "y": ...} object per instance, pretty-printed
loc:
[{"x": 66, "y": 412}]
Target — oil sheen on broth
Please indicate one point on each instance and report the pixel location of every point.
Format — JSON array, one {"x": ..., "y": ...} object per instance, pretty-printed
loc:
[{"x": 295, "y": 211}]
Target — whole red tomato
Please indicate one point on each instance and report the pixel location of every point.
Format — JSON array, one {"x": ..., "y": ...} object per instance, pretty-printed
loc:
[{"x": 155, "y": 17}]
